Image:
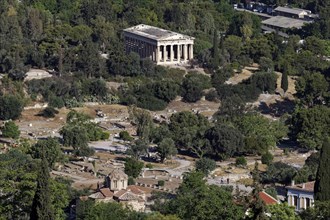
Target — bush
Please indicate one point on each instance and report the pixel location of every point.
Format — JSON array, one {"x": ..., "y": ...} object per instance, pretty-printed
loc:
[
  {"x": 241, "y": 161},
  {"x": 105, "y": 135},
  {"x": 124, "y": 135},
  {"x": 267, "y": 158},
  {"x": 49, "y": 112},
  {"x": 84, "y": 151},
  {"x": 10, "y": 130},
  {"x": 212, "y": 96},
  {"x": 205, "y": 165},
  {"x": 149, "y": 166},
  {"x": 55, "y": 102},
  {"x": 161, "y": 183}
]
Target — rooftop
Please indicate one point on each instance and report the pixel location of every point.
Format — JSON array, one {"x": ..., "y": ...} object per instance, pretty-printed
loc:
[
  {"x": 155, "y": 33},
  {"x": 117, "y": 174},
  {"x": 284, "y": 22},
  {"x": 296, "y": 11},
  {"x": 309, "y": 186},
  {"x": 268, "y": 199}
]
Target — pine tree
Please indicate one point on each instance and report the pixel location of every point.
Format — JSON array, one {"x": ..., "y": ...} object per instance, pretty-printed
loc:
[
  {"x": 284, "y": 80},
  {"x": 258, "y": 206},
  {"x": 41, "y": 206},
  {"x": 322, "y": 183}
]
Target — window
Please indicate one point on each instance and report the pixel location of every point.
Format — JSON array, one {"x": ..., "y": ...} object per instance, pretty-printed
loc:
[{"x": 122, "y": 182}]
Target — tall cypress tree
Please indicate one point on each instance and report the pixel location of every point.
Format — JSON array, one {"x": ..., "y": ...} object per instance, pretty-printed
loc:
[
  {"x": 322, "y": 183},
  {"x": 258, "y": 208},
  {"x": 41, "y": 206},
  {"x": 284, "y": 79},
  {"x": 216, "y": 55}
]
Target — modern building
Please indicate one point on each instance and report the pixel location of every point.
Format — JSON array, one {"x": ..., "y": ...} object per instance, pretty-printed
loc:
[
  {"x": 280, "y": 23},
  {"x": 301, "y": 196},
  {"x": 292, "y": 12},
  {"x": 160, "y": 45}
]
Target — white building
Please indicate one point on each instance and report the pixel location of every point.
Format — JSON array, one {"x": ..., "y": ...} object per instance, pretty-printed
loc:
[
  {"x": 301, "y": 196},
  {"x": 160, "y": 45}
]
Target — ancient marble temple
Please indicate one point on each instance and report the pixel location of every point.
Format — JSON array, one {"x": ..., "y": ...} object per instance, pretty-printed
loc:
[{"x": 160, "y": 45}]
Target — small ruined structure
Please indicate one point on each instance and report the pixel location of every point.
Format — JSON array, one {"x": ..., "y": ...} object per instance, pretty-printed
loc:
[
  {"x": 116, "y": 189},
  {"x": 160, "y": 45}
]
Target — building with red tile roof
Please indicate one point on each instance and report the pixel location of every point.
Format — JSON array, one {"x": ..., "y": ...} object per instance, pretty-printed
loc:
[{"x": 268, "y": 199}]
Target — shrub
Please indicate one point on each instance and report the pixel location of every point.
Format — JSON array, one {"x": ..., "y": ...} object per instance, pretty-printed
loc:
[
  {"x": 267, "y": 158},
  {"x": 124, "y": 135},
  {"x": 10, "y": 130},
  {"x": 149, "y": 166},
  {"x": 161, "y": 183},
  {"x": 241, "y": 161},
  {"x": 55, "y": 101},
  {"x": 105, "y": 135}
]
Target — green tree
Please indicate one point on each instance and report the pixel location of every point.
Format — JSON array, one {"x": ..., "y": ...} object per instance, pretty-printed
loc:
[
  {"x": 284, "y": 81},
  {"x": 51, "y": 148},
  {"x": 215, "y": 50},
  {"x": 322, "y": 183},
  {"x": 10, "y": 107},
  {"x": 138, "y": 149},
  {"x": 186, "y": 128},
  {"x": 321, "y": 210},
  {"x": 10, "y": 130},
  {"x": 133, "y": 167},
  {"x": 193, "y": 85},
  {"x": 196, "y": 200},
  {"x": 205, "y": 165},
  {"x": 258, "y": 207},
  {"x": 41, "y": 206},
  {"x": 260, "y": 133},
  {"x": 143, "y": 121},
  {"x": 166, "y": 149},
  {"x": 312, "y": 88},
  {"x": 17, "y": 182},
  {"x": 225, "y": 140},
  {"x": 282, "y": 212},
  {"x": 310, "y": 126}
]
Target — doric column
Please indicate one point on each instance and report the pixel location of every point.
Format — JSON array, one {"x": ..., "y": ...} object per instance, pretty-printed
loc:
[
  {"x": 178, "y": 52},
  {"x": 191, "y": 51},
  {"x": 185, "y": 52},
  {"x": 158, "y": 54},
  {"x": 171, "y": 53}
]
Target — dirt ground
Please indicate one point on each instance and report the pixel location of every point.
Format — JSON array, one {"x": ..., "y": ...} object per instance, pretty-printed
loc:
[{"x": 204, "y": 107}]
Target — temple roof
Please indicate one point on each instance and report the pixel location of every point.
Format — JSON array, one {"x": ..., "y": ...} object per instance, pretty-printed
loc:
[{"x": 156, "y": 33}]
